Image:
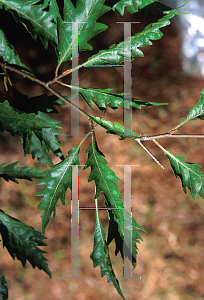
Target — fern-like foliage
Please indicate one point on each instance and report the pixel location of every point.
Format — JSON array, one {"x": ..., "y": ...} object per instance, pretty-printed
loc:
[
  {"x": 132, "y": 6},
  {"x": 116, "y": 53},
  {"x": 21, "y": 242},
  {"x": 120, "y": 220},
  {"x": 38, "y": 131},
  {"x": 57, "y": 181},
  {"x": 115, "y": 128},
  {"x": 11, "y": 172},
  {"x": 197, "y": 112},
  {"x": 53, "y": 21},
  {"x": 100, "y": 255},
  {"x": 85, "y": 14},
  {"x": 35, "y": 17},
  {"x": 8, "y": 53},
  {"x": 105, "y": 97},
  {"x": 190, "y": 174}
]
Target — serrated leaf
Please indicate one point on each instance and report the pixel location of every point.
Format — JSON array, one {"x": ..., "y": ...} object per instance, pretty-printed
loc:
[
  {"x": 36, "y": 17},
  {"x": 115, "y": 128},
  {"x": 105, "y": 180},
  {"x": 100, "y": 255},
  {"x": 34, "y": 130},
  {"x": 132, "y": 6},
  {"x": 85, "y": 14},
  {"x": 197, "y": 112},
  {"x": 21, "y": 242},
  {"x": 11, "y": 172},
  {"x": 9, "y": 54},
  {"x": 116, "y": 53},
  {"x": 19, "y": 123},
  {"x": 120, "y": 245},
  {"x": 104, "y": 97},
  {"x": 57, "y": 181},
  {"x": 37, "y": 148},
  {"x": 190, "y": 175},
  {"x": 3, "y": 287}
]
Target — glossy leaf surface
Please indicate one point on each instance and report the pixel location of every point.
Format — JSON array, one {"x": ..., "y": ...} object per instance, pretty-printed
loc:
[
  {"x": 11, "y": 172},
  {"x": 105, "y": 97},
  {"x": 21, "y": 242},
  {"x": 132, "y": 6},
  {"x": 190, "y": 174},
  {"x": 83, "y": 18},
  {"x": 105, "y": 180},
  {"x": 36, "y": 17},
  {"x": 8, "y": 53},
  {"x": 116, "y": 53},
  {"x": 100, "y": 255},
  {"x": 57, "y": 181},
  {"x": 38, "y": 131},
  {"x": 115, "y": 128}
]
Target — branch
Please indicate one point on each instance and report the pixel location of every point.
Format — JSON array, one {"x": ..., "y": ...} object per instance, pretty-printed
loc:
[
  {"x": 165, "y": 135},
  {"x": 169, "y": 135},
  {"x": 45, "y": 85},
  {"x": 152, "y": 156},
  {"x": 64, "y": 74}
]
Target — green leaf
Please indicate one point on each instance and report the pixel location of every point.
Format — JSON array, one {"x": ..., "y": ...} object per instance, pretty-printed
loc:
[
  {"x": 37, "y": 148},
  {"x": 115, "y": 128},
  {"x": 190, "y": 175},
  {"x": 100, "y": 255},
  {"x": 36, "y": 17},
  {"x": 21, "y": 242},
  {"x": 34, "y": 129},
  {"x": 121, "y": 221},
  {"x": 36, "y": 105},
  {"x": 57, "y": 181},
  {"x": 11, "y": 173},
  {"x": 8, "y": 53},
  {"x": 104, "y": 97},
  {"x": 3, "y": 287},
  {"x": 120, "y": 245},
  {"x": 86, "y": 13},
  {"x": 132, "y": 6},
  {"x": 20, "y": 123},
  {"x": 197, "y": 112},
  {"x": 115, "y": 54}
]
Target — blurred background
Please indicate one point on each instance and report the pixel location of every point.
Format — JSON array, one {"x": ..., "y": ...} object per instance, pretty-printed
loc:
[{"x": 170, "y": 261}]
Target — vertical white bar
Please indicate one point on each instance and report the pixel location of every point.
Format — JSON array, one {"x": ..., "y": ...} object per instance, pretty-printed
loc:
[
  {"x": 75, "y": 225},
  {"x": 75, "y": 81},
  {"x": 127, "y": 114},
  {"x": 127, "y": 208},
  {"x": 127, "y": 118}
]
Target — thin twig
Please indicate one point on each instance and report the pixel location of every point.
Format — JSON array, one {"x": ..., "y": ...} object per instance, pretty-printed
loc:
[
  {"x": 42, "y": 83},
  {"x": 46, "y": 86},
  {"x": 152, "y": 156},
  {"x": 169, "y": 135},
  {"x": 160, "y": 146},
  {"x": 65, "y": 73}
]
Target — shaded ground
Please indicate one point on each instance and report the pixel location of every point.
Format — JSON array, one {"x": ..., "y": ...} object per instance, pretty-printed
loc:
[{"x": 170, "y": 260}]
